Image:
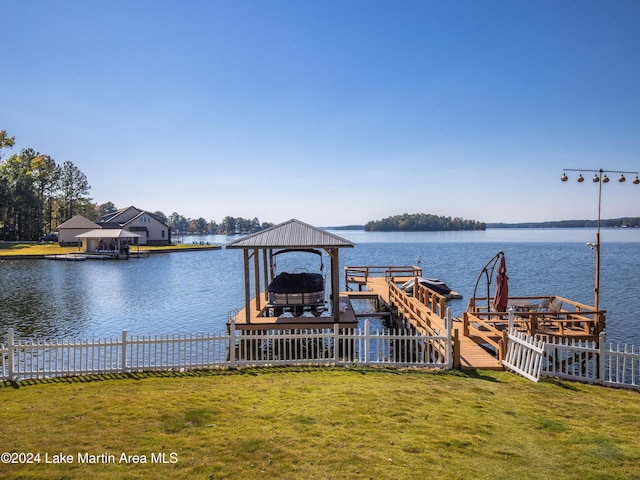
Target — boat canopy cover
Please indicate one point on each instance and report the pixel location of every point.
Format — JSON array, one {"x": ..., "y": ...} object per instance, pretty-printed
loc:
[
  {"x": 434, "y": 284},
  {"x": 297, "y": 283}
]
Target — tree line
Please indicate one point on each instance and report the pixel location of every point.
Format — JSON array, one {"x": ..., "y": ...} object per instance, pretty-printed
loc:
[
  {"x": 37, "y": 194},
  {"x": 421, "y": 222},
  {"x": 199, "y": 226},
  {"x": 181, "y": 225},
  {"x": 624, "y": 222}
]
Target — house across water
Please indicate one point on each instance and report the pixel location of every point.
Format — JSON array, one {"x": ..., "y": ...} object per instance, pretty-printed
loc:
[{"x": 146, "y": 227}]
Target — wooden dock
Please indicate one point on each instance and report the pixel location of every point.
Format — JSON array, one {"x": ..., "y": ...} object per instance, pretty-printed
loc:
[
  {"x": 257, "y": 319},
  {"x": 471, "y": 354}
]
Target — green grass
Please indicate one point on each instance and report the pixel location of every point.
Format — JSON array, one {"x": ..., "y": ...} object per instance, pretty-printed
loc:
[
  {"x": 8, "y": 249},
  {"x": 324, "y": 424},
  {"x": 18, "y": 249}
]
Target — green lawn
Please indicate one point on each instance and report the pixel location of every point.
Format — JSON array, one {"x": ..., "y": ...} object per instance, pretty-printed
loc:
[
  {"x": 329, "y": 423},
  {"x": 8, "y": 249}
]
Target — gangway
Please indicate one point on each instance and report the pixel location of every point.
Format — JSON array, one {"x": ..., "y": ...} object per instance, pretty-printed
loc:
[{"x": 424, "y": 309}]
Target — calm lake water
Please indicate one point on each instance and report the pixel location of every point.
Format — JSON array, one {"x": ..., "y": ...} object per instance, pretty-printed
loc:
[{"x": 190, "y": 292}]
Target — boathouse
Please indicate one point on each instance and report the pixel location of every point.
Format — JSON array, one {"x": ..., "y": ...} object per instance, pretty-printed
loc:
[
  {"x": 149, "y": 229},
  {"x": 259, "y": 250},
  {"x": 113, "y": 242}
]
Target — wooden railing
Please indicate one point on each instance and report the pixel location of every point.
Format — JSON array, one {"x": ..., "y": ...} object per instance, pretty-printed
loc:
[
  {"x": 415, "y": 312},
  {"x": 360, "y": 275},
  {"x": 425, "y": 312},
  {"x": 486, "y": 327},
  {"x": 578, "y": 320},
  {"x": 425, "y": 307},
  {"x": 431, "y": 299}
]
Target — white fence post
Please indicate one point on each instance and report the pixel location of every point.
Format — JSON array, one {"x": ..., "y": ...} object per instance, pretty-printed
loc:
[
  {"x": 10, "y": 356},
  {"x": 367, "y": 333},
  {"x": 232, "y": 345},
  {"x": 124, "y": 351},
  {"x": 336, "y": 343},
  {"x": 449, "y": 332},
  {"x": 601, "y": 358},
  {"x": 33, "y": 358}
]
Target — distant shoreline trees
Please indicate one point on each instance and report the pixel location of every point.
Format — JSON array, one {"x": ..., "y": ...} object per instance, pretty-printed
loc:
[
  {"x": 625, "y": 222},
  {"x": 228, "y": 226},
  {"x": 422, "y": 222},
  {"x": 36, "y": 194}
]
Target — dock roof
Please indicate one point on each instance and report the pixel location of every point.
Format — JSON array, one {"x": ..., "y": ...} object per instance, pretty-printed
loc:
[
  {"x": 108, "y": 233},
  {"x": 291, "y": 234}
]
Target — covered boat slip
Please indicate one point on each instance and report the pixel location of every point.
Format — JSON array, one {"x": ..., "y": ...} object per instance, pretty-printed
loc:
[
  {"x": 292, "y": 301},
  {"x": 110, "y": 243},
  {"x": 296, "y": 292}
]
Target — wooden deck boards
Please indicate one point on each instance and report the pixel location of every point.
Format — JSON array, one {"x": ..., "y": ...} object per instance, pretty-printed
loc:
[
  {"x": 258, "y": 322},
  {"x": 472, "y": 354}
]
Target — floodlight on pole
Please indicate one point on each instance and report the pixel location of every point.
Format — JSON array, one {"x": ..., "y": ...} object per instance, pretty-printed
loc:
[{"x": 600, "y": 177}]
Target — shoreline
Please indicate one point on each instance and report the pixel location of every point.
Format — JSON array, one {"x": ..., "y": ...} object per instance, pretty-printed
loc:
[{"x": 23, "y": 249}]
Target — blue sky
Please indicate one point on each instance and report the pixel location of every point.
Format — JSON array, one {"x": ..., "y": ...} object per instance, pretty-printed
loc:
[{"x": 332, "y": 112}]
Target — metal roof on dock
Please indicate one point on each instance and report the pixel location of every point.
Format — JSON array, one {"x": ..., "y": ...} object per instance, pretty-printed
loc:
[{"x": 291, "y": 234}]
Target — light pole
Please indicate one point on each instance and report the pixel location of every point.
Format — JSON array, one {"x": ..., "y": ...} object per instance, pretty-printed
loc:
[{"x": 600, "y": 177}]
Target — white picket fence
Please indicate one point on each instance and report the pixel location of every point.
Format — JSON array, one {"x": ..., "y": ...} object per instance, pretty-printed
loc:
[
  {"x": 524, "y": 355},
  {"x": 29, "y": 359},
  {"x": 587, "y": 362}
]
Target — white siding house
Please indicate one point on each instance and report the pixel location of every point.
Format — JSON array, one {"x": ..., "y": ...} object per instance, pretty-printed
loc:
[{"x": 150, "y": 229}]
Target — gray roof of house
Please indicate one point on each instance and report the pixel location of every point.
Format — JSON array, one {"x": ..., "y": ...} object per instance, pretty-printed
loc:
[
  {"x": 110, "y": 216},
  {"x": 78, "y": 221},
  {"x": 111, "y": 219},
  {"x": 291, "y": 234},
  {"x": 109, "y": 225}
]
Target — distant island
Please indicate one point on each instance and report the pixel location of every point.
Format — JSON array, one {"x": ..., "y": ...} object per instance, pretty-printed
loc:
[
  {"x": 393, "y": 224},
  {"x": 625, "y": 222},
  {"x": 422, "y": 222}
]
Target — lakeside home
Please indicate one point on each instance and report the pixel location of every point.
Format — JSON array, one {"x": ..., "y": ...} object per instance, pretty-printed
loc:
[{"x": 148, "y": 228}]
